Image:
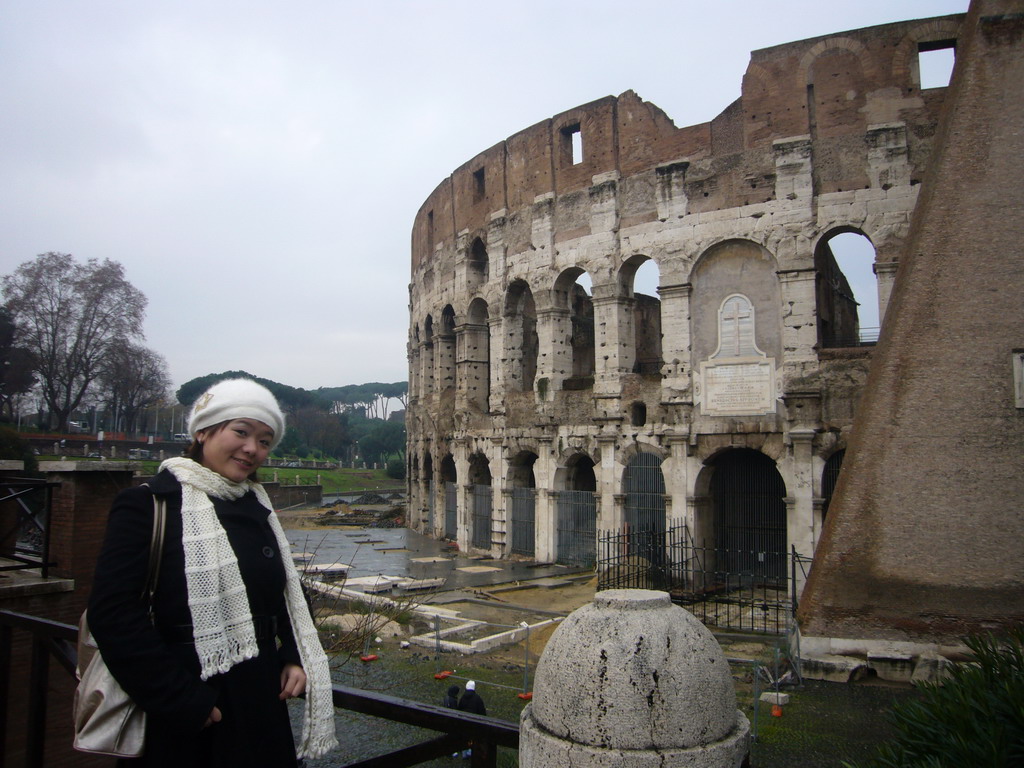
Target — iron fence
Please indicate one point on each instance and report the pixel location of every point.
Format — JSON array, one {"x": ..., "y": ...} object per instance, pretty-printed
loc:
[
  {"x": 576, "y": 528},
  {"x": 451, "y": 510},
  {"x": 482, "y": 505},
  {"x": 24, "y": 524},
  {"x": 524, "y": 502},
  {"x": 704, "y": 578}
]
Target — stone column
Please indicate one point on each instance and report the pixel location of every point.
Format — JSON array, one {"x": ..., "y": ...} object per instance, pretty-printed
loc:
[
  {"x": 675, "y": 344},
  {"x": 632, "y": 679}
]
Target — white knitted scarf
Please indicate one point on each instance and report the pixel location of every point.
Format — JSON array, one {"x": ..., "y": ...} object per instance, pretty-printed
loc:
[{"x": 221, "y": 617}]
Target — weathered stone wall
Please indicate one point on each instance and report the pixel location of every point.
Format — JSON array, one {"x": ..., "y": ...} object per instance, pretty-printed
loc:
[
  {"x": 924, "y": 534},
  {"x": 829, "y": 135}
]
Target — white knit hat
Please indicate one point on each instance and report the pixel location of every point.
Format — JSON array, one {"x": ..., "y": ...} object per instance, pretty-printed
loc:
[
  {"x": 237, "y": 399},
  {"x": 471, "y": 685}
]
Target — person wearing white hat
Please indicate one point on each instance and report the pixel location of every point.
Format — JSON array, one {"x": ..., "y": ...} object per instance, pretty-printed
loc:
[{"x": 229, "y": 637}]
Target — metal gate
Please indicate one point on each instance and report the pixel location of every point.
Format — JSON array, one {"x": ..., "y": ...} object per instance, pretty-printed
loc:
[
  {"x": 688, "y": 572},
  {"x": 749, "y": 516},
  {"x": 577, "y": 528},
  {"x": 644, "y": 511},
  {"x": 451, "y": 511},
  {"x": 430, "y": 508},
  {"x": 482, "y": 498},
  {"x": 523, "y": 521}
]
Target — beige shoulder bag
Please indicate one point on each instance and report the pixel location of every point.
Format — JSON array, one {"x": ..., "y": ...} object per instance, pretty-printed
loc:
[{"x": 107, "y": 722}]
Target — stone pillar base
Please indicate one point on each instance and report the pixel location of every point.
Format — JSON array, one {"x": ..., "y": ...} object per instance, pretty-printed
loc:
[{"x": 540, "y": 747}]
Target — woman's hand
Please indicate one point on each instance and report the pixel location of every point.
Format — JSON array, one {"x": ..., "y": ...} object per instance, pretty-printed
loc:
[
  {"x": 293, "y": 681},
  {"x": 213, "y": 718}
]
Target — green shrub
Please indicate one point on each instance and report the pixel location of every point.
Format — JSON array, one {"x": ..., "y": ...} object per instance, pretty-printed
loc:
[
  {"x": 973, "y": 718},
  {"x": 12, "y": 447},
  {"x": 395, "y": 469}
]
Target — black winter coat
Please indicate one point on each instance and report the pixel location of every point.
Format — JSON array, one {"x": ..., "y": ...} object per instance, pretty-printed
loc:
[
  {"x": 471, "y": 702},
  {"x": 158, "y": 666}
]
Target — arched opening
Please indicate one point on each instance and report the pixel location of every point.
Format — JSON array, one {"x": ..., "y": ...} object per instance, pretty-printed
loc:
[
  {"x": 524, "y": 499},
  {"x": 641, "y": 277},
  {"x": 477, "y": 262},
  {"x": 749, "y": 517},
  {"x": 450, "y": 478},
  {"x": 573, "y": 292},
  {"x": 446, "y": 349},
  {"x": 482, "y": 498},
  {"x": 521, "y": 341},
  {"x": 729, "y": 269},
  {"x": 847, "y": 290},
  {"x": 644, "y": 513},
  {"x": 829, "y": 478},
  {"x": 576, "y": 524},
  {"x": 477, "y": 350},
  {"x": 428, "y": 355},
  {"x": 428, "y": 488}
]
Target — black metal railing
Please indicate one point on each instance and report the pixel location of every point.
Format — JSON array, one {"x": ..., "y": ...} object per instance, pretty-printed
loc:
[
  {"x": 727, "y": 589},
  {"x": 59, "y": 640},
  {"x": 24, "y": 523}
]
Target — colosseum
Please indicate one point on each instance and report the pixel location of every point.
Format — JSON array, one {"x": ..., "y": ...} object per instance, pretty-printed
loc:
[{"x": 551, "y": 401}]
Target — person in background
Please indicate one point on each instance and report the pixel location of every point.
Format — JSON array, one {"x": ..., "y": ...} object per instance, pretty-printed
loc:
[
  {"x": 471, "y": 701},
  {"x": 451, "y": 700},
  {"x": 229, "y": 637}
]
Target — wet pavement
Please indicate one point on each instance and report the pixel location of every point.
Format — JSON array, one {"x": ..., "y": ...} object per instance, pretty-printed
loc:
[{"x": 402, "y": 553}]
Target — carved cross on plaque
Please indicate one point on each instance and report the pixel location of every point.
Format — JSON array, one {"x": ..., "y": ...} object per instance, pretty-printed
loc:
[{"x": 736, "y": 328}]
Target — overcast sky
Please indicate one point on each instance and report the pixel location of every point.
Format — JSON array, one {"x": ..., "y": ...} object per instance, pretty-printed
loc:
[{"x": 256, "y": 166}]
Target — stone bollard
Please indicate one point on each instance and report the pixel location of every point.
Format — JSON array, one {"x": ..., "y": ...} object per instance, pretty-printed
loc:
[{"x": 633, "y": 680}]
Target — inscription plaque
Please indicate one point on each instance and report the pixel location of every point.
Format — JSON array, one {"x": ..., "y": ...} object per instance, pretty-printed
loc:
[{"x": 738, "y": 388}]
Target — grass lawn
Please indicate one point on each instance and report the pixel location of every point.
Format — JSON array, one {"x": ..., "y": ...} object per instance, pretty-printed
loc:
[{"x": 334, "y": 480}]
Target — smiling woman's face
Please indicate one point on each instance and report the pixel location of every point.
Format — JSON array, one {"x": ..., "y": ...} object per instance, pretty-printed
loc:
[{"x": 237, "y": 450}]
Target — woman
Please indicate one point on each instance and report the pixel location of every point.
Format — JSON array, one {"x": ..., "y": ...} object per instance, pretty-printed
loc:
[{"x": 230, "y": 637}]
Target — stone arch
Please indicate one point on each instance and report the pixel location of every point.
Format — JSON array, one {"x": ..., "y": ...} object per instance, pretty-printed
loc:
[
  {"x": 476, "y": 362},
  {"x": 578, "y": 340},
  {"x": 643, "y": 485},
  {"x": 644, "y": 316},
  {"x": 482, "y": 500},
  {"x": 743, "y": 522},
  {"x": 576, "y": 512},
  {"x": 839, "y": 319},
  {"x": 521, "y": 340},
  {"x": 445, "y": 349},
  {"x": 450, "y": 479},
  {"x": 836, "y": 44},
  {"x": 759, "y": 83},
  {"x": 905, "y": 60},
  {"x": 730, "y": 267},
  {"x": 428, "y": 361},
  {"x": 523, "y": 496},
  {"x": 477, "y": 263}
]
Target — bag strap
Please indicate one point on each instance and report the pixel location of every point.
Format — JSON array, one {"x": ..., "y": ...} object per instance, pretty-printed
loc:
[{"x": 156, "y": 547}]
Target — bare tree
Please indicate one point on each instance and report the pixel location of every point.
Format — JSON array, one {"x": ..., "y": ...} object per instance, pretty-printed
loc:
[
  {"x": 69, "y": 316},
  {"x": 133, "y": 379}
]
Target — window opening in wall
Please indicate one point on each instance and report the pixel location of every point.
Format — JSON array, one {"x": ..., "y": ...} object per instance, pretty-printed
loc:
[
  {"x": 430, "y": 229},
  {"x": 647, "y": 351},
  {"x": 935, "y": 63},
  {"x": 572, "y": 144},
  {"x": 479, "y": 184},
  {"x": 638, "y": 414},
  {"x": 855, "y": 256},
  {"x": 478, "y": 258}
]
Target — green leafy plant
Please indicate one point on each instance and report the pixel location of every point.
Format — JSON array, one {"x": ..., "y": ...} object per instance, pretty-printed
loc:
[{"x": 973, "y": 718}]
